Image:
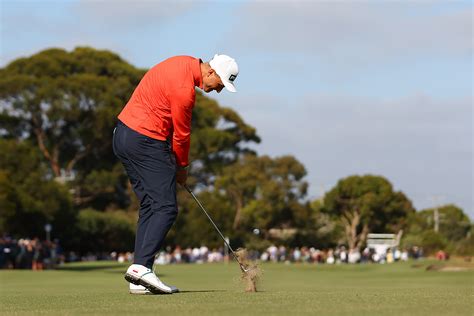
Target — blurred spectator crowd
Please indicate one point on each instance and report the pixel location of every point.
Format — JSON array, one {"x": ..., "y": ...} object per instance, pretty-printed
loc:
[
  {"x": 280, "y": 254},
  {"x": 38, "y": 254},
  {"x": 338, "y": 255},
  {"x": 33, "y": 254},
  {"x": 178, "y": 255}
]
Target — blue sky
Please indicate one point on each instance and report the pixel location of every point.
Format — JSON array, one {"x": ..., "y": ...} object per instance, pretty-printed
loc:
[{"x": 347, "y": 87}]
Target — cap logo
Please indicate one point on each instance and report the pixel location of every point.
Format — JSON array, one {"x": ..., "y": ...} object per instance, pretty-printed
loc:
[{"x": 232, "y": 78}]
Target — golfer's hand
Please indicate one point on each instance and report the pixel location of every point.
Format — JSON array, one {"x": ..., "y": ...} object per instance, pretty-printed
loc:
[{"x": 181, "y": 176}]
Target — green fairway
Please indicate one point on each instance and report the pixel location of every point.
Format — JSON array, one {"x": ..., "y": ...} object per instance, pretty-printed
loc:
[{"x": 214, "y": 289}]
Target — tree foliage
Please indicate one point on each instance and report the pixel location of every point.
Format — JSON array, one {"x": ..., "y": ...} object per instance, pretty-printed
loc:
[
  {"x": 454, "y": 230},
  {"x": 367, "y": 204},
  {"x": 105, "y": 231},
  {"x": 58, "y": 109},
  {"x": 454, "y": 225},
  {"x": 57, "y": 113},
  {"x": 65, "y": 103},
  {"x": 28, "y": 197},
  {"x": 266, "y": 193},
  {"x": 219, "y": 138},
  {"x": 254, "y": 192}
]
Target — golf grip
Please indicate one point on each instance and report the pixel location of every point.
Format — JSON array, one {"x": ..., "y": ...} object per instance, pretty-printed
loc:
[{"x": 215, "y": 226}]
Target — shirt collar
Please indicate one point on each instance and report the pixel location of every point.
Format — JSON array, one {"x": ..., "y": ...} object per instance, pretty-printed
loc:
[{"x": 197, "y": 74}]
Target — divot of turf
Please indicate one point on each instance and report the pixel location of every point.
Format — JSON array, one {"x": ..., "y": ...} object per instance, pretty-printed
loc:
[{"x": 254, "y": 274}]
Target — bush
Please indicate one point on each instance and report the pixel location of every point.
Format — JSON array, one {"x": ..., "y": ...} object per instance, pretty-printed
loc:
[
  {"x": 411, "y": 240},
  {"x": 105, "y": 231},
  {"x": 465, "y": 247},
  {"x": 432, "y": 242}
]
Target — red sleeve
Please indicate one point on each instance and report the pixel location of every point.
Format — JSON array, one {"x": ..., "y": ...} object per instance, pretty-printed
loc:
[{"x": 182, "y": 103}]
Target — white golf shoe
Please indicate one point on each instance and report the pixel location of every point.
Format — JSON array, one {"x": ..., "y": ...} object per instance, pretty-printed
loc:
[{"x": 141, "y": 275}]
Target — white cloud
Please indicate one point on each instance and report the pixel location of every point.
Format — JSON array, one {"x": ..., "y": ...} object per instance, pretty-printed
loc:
[
  {"x": 125, "y": 13},
  {"x": 126, "y": 27},
  {"x": 355, "y": 32},
  {"x": 422, "y": 145}
]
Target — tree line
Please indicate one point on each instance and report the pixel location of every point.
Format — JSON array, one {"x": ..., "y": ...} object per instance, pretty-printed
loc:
[{"x": 57, "y": 113}]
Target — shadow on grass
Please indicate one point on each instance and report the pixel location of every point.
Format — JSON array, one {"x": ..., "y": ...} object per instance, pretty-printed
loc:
[
  {"x": 105, "y": 268},
  {"x": 88, "y": 268},
  {"x": 200, "y": 291},
  {"x": 211, "y": 291},
  {"x": 122, "y": 272}
]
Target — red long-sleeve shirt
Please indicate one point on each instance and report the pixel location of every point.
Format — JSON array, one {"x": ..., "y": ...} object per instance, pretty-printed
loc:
[{"x": 162, "y": 103}]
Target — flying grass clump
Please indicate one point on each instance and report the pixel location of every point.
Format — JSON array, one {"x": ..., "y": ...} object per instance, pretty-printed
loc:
[{"x": 252, "y": 274}]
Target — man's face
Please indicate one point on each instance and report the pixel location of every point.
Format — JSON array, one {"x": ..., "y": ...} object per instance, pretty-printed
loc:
[{"x": 211, "y": 81}]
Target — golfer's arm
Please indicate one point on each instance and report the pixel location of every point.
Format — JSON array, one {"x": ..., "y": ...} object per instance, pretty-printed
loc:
[{"x": 181, "y": 113}]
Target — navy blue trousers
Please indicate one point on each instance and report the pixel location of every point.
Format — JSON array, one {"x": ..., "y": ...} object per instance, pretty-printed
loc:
[{"x": 151, "y": 168}]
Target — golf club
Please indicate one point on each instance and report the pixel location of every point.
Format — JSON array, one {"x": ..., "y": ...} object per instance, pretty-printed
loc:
[{"x": 242, "y": 267}]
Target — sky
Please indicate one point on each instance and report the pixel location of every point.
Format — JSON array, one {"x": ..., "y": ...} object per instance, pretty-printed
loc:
[{"x": 347, "y": 87}]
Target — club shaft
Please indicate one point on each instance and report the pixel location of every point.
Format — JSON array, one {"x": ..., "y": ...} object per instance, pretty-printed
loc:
[{"x": 210, "y": 219}]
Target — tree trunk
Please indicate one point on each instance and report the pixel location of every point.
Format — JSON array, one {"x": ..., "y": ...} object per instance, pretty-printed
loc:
[
  {"x": 362, "y": 236},
  {"x": 77, "y": 157},
  {"x": 351, "y": 221},
  {"x": 238, "y": 205},
  {"x": 53, "y": 161}
]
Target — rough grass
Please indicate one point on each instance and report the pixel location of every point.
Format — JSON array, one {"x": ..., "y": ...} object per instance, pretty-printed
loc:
[{"x": 215, "y": 289}]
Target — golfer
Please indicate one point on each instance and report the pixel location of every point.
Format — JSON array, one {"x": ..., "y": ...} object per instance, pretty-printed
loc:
[{"x": 152, "y": 141}]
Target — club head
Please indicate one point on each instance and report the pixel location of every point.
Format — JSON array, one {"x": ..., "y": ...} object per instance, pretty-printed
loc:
[{"x": 244, "y": 269}]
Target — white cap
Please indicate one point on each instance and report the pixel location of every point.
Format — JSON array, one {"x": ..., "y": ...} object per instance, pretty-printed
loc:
[{"x": 227, "y": 69}]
